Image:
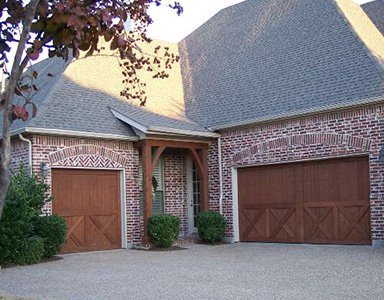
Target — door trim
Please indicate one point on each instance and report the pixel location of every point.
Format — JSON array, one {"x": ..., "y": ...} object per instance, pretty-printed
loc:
[
  {"x": 235, "y": 207},
  {"x": 189, "y": 169},
  {"x": 123, "y": 198}
]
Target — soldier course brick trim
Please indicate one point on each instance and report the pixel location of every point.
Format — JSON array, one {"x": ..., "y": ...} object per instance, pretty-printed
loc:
[
  {"x": 304, "y": 139},
  {"x": 91, "y": 150}
]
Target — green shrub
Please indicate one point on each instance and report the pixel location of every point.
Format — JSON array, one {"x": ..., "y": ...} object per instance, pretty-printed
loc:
[
  {"x": 19, "y": 240},
  {"x": 163, "y": 229},
  {"x": 31, "y": 251},
  {"x": 211, "y": 226},
  {"x": 52, "y": 229}
]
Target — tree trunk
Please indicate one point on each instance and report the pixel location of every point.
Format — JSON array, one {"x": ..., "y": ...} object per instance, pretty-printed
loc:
[{"x": 17, "y": 69}]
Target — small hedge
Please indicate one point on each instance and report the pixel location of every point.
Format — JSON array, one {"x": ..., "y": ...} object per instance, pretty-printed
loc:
[
  {"x": 52, "y": 229},
  {"x": 30, "y": 252},
  {"x": 211, "y": 226},
  {"x": 25, "y": 235},
  {"x": 164, "y": 229}
]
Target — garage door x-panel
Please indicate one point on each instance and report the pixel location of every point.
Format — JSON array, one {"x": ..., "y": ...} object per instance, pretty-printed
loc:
[{"x": 310, "y": 202}]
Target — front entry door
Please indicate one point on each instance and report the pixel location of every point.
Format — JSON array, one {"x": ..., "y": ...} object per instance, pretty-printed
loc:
[{"x": 193, "y": 196}]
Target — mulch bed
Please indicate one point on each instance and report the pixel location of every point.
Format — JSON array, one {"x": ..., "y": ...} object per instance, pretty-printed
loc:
[{"x": 44, "y": 260}]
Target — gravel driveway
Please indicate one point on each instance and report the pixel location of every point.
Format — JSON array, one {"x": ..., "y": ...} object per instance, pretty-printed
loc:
[{"x": 237, "y": 271}]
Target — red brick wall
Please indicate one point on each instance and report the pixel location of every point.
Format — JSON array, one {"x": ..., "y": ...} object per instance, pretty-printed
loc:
[
  {"x": 20, "y": 154},
  {"x": 175, "y": 188},
  {"x": 350, "y": 132}
]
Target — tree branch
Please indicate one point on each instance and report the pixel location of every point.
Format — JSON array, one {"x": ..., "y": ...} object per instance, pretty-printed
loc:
[{"x": 5, "y": 150}]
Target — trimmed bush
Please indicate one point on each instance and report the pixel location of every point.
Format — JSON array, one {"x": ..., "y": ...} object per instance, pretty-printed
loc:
[
  {"x": 30, "y": 252},
  {"x": 52, "y": 229},
  {"x": 20, "y": 242},
  {"x": 211, "y": 226},
  {"x": 164, "y": 229}
]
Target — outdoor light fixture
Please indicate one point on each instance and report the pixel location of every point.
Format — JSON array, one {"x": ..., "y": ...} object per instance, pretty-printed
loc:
[
  {"x": 43, "y": 169},
  {"x": 381, "y": 155}
]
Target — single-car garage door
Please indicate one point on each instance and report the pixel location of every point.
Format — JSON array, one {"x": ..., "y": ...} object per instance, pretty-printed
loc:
[
  {"x": 310, "y": 202},
  {"x": 89, "y": 200}
]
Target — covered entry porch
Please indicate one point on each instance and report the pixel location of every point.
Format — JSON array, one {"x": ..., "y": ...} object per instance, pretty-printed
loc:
[{"x": 185, "y": 167}]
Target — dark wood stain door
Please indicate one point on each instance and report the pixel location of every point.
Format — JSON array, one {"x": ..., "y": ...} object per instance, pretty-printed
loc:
[
  {"x": 89, "y": 200},
  {"x": 310, "y": 202}
]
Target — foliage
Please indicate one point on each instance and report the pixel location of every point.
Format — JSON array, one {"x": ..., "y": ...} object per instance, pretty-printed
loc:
[
  {"x": 164, "y": 229},
  {"x": 31, "y": 251},
  {"x": 52, "y": 229},
  {"x": 19, "y": 242},
  {"x": 211, "y": 226}
]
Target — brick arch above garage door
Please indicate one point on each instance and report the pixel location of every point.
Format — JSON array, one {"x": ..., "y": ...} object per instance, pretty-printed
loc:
[
  {"x": 87, "y": 154},
  {"x": 329, "y": 139}
]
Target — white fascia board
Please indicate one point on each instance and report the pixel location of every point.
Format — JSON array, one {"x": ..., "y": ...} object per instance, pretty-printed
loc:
[
  {"x": 129, "y": 121},
  {"x": 167, "y": 131},
  {"x": 75, "y": 133}
]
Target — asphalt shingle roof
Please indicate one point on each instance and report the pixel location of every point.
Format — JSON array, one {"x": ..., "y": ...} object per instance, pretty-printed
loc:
[
  {"x": 262, "y": 58},
  {"x": 81, "y": 94},
  {"x": 254, "y": 61},
  {"x": 375, "y": 11}
]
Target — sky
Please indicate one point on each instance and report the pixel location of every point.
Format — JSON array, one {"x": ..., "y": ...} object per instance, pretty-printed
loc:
[{"x": 169, "y": 27}]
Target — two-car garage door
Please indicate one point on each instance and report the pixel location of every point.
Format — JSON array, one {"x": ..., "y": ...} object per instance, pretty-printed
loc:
[
  {"x": 89, "y": 200},
  {"x": 309, "y": 202}
]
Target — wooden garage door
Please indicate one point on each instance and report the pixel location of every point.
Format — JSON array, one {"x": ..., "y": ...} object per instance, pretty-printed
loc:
[
  {"x": 89, "y": 200},
  {"x": 310, "y": 202}
]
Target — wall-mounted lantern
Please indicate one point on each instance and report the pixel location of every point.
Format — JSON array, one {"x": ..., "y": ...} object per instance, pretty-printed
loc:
[{"x": 44, "y": 170}]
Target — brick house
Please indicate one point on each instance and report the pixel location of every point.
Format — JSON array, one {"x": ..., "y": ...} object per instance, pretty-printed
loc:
[{"x": 274, "y": 117}]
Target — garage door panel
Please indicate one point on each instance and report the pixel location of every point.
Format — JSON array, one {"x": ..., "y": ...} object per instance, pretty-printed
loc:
[
  {"x": 254, "y": 224},
  {"x": 89, "y": 200},
  {"x": 319, "y": 224},
  {"x": 283, "y": 224},
  {"x": 76, "y": 233},
  {"x": 253, "y": 184},
  {"x": 354, "y": 223},
  {"x": 328, "y": 201},
  {"x": 267, "y": 224}
]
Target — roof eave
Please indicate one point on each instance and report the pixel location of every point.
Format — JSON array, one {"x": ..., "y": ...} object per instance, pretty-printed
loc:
[
  {"x": 298, "y": 114},
  {"x": 167, "y": 131},
  {"x": 73, "y": 133},
  {"x": 162, "y": 131}
]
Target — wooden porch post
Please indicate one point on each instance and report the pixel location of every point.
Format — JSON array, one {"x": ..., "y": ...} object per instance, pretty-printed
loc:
[
  {"x": 147, "y": 188},
  {"x": 204, "y": 193}
]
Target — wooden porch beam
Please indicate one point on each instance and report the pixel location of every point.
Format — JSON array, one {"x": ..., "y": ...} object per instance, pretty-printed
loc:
[
  {"x": 156, "y": 156},
  {"x": 177, "y": 144}
]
